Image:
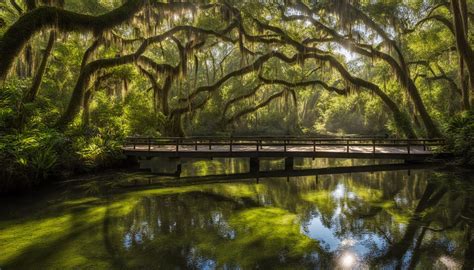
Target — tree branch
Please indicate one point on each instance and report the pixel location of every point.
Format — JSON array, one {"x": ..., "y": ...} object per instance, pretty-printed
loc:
[
  {"x": 253, "y": 109},
  {"x": 18, "y": 34}
]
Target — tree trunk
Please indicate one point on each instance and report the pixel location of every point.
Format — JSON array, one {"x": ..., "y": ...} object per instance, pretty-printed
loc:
[
  {"x": 431, "y": 129},
  {"x": 75, "y": 102},
  {"x": 401, "y": 69},
  {"x": 466, "y": 86},
  {"x": 174, "y": 126},
  {"x": 466, "y": 53},
  {"x": 86, "y": 108},
  {"x": 401, "y": 121},
  {"x": 164, "y": 95},
  {"x": 32, "y": 93},
  {"x": 407, "y": 82},
  {"x": 83, "y": 81}
]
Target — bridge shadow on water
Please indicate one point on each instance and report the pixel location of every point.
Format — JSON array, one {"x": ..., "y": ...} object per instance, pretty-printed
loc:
[{"x": 175, "y": 179}]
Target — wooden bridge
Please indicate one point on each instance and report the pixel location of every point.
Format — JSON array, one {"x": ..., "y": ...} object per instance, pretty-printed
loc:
[{"x": 285, "y": 147}]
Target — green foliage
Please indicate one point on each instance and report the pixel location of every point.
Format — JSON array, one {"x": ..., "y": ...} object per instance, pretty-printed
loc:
[
  {"x": 355, "y": 114},
  {"x": 97, "y": 152},
  {"x": 106, "y": 113},
  {"x": 11, "y": 104},
  {"x": 31, "y": 157},
  {"x": 460, "y": 131},
  {"x": 37, "y": 153},
  {"x": 140, "y": 117}
]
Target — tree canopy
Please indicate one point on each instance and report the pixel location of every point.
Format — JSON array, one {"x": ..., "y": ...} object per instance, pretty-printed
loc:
[{"x": 148, "y": 67}]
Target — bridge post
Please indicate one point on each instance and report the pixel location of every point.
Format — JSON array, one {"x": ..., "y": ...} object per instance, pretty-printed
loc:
[
  {"x": 314, "y": 149},
  {"x": 254, "y": 165},
  {"x": 178, "y": 170},
  {"x": 289, "y": 162}
]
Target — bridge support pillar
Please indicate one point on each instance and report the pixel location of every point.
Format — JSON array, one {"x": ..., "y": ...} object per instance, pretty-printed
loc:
[
  {"x": 289, "y": 163},
  {"x": 178, "y": 170},
  {"x": 254, "y": 165}
]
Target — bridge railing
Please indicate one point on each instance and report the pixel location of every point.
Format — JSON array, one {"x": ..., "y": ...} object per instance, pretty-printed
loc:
[{"x": 285, "y": 143}]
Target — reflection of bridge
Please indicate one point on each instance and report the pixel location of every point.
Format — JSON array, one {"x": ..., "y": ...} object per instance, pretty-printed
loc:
[
  {"x": 288, "y": 174},
  {"x": 309, "y": 172},
  {"x": 284, "y": 147}
]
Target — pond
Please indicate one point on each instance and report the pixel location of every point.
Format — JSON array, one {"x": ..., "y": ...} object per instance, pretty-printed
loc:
[{"x": 393, "y": 219}]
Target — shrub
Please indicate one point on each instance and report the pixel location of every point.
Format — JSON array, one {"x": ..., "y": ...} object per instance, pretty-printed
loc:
[
  {"x": 98, "y": 151},
  {"x": 460, "y": 134},
  {"x": 30, "y": 158}
]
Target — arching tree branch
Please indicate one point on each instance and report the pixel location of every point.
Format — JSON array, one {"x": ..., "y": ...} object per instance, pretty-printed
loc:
[
  {"x": 18, "y": 34},
  {"x": 399, "y": 66},
  {"x": 253, "y": 109},
  {"x": 229, "y": 103},
  {"x": 305, "y": 83}
]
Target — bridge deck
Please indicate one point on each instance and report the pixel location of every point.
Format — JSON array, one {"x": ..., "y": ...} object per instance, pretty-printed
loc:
[{"x": 299, "y": 147}]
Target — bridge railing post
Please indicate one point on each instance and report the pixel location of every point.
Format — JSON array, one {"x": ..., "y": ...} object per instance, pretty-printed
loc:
[{"x": 370, "y": 146}]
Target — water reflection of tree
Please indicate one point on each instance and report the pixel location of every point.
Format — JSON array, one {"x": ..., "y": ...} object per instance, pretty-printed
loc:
[
  {"x": 430, "y": 198},
  {"x": 412, "y": 201},
  {"x": 192, "y": 229},
  {"x": 432, "y": 214},
  {"x": 166, "y": 227},
  {"x": 438, "y": 206}
]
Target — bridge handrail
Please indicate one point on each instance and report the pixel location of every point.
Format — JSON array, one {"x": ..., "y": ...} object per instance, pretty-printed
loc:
[
  {"x": 287, "y": 142},
  {"x": 271, "y": 138},
  {"x": 260, "y": 142}
]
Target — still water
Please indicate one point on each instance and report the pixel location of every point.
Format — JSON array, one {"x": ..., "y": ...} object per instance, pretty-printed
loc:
[{"x": 419, "y": 219}]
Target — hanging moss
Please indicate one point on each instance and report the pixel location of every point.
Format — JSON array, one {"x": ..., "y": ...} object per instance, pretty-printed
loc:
[{"x": 17, "y": 35}]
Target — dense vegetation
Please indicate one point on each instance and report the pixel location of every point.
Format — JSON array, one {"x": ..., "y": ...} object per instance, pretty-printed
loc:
[{"x": 79, "y": 76}]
